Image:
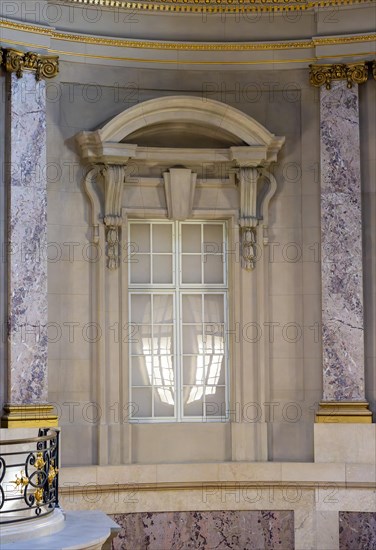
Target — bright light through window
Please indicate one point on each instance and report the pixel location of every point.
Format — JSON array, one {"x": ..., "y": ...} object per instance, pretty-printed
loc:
[{"x": 178, "y": 297}]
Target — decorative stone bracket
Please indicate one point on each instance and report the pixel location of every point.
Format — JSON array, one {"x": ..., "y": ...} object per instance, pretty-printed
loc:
[
  {"x": 15, "y": 61},
  {"x": 254, "y": 205},
  {"x": 113, "y": 176}
]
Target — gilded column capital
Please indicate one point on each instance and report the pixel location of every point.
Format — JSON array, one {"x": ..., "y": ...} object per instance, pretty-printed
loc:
[
  {"x": 17, "y": 62},
  {"x": 354, "y": 73}
]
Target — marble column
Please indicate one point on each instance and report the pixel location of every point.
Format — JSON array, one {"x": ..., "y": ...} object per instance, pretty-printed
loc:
[
  {"x": 341, "y": 248},
  {"x": 27, "y": 241}
]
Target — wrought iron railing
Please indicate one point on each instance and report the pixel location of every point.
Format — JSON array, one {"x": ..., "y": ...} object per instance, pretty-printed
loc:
[{"x": 29, "y": 477}]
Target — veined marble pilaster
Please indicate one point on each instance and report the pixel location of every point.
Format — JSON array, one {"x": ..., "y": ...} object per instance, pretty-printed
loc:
[
  {"x": 27, "y": 246},
  {"x": 341, "y": 255}
]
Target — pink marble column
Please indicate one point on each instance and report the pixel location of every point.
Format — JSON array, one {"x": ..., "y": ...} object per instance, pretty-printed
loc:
[
  {"x": 341, "y": 257},
  {"x": 27, "y": 252}
]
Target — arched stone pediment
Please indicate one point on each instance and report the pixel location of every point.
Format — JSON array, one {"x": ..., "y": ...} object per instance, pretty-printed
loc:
[
  {"x": 252, "y": 143},
  {"x": 178, "y": 134}
]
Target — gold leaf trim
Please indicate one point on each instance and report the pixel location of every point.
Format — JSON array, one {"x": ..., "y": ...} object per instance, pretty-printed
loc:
[
  {"x": 17, "y": 62},
  {"x": 218, "y": 6},
  {"x": 29, "y": 416},
  {"x": 340, "y": 412},
  {"x": 354, "y": 73},
  {"x": 187, "y": 46}
]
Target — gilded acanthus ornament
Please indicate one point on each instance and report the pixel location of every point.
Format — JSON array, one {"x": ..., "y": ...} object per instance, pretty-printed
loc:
[
  {"x": 39, "y": 462},
  {"x": 354, "y": 73},
  {"x": 17, "y": 62},
  {"x": 21, "y": 482}
]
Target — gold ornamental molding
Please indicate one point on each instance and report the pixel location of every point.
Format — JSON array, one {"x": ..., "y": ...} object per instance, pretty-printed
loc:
[
  {"x": 17, "y": 62},
  {"x": 29, "y": 416},
  {"x": 186, "y": 46},
  {"x": 354, "y": 73},
  {"x": 218, "y": 6},
  {"x": 338, "y": 412}
]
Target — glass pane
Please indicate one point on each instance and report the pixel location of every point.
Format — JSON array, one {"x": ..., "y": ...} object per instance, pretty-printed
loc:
[
  {"x": 213, "y": 238},
  {"x": 140, "y": 268},
  {"x": 191, "y": 237},
  {"x": 191, "y": 269},
  {"x": 214, "y": 370},
  {"x": 140, "y": 237},
  {"x": 140, "y": 308},
  {"x": 213, "y": 308},
  {"x": 213, "y": 269},
  {"x": 162, "y": 308},
  {"x": 162, "y": 238},
  {"x": 142, "y": 402},
  {"x": 192, "y": 339},
  {"x": 162, "y": 269},
  {"x": 192, "y": 309},
  {"x": 142, "y": 370},
  {"x": 215, "y": 401},
  {"x": 163, "y": 340},
  {"x": 141, "y": 340},
  {"x": 164, "y": 401},
  {"x": 214, "y": 338},
  {"x": 163, "y": 370},
  {"x": 193, "y": 400},
  {"x": 193, "y": 369}
]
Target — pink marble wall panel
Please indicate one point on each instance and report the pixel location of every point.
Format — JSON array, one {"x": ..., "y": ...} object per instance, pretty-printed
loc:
[
  {"x": 357, "y": 530},
  {"x": 246, "y": 530}
]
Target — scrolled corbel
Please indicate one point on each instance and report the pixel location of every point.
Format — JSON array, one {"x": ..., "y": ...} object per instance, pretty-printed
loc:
[
  {"x": 257, "y": 187},
  {"x": 113, "y": 176},
  {"x": 248, "y": 220}
]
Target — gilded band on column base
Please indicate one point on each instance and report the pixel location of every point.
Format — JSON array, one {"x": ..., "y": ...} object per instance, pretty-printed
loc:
[
  {"x": 344, "y": 412},
  {"x": 29, "y": 416}
]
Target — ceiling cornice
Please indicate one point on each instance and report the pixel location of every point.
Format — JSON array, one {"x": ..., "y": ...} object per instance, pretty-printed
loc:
[
  {"x": 219, "y": 6},
  {"x": 187, "y": 46}
]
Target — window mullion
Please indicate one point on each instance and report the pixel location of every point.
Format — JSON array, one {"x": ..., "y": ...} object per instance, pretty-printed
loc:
[{"x": 178, "y": 322}]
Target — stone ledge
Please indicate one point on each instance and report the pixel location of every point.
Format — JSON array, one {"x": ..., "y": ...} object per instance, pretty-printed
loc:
[{"x": 83, "y": 530}]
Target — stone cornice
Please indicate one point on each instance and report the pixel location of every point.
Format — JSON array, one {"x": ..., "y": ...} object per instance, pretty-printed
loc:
[
  {"x": 15, "y": 61},
  {"x": 354, "y": 73},
  {"x": 313, "y": 42},
  {"x": 213, "y": 6}
]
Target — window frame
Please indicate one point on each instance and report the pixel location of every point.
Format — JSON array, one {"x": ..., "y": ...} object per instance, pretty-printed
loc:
[{"x": 177, "y": 289}]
